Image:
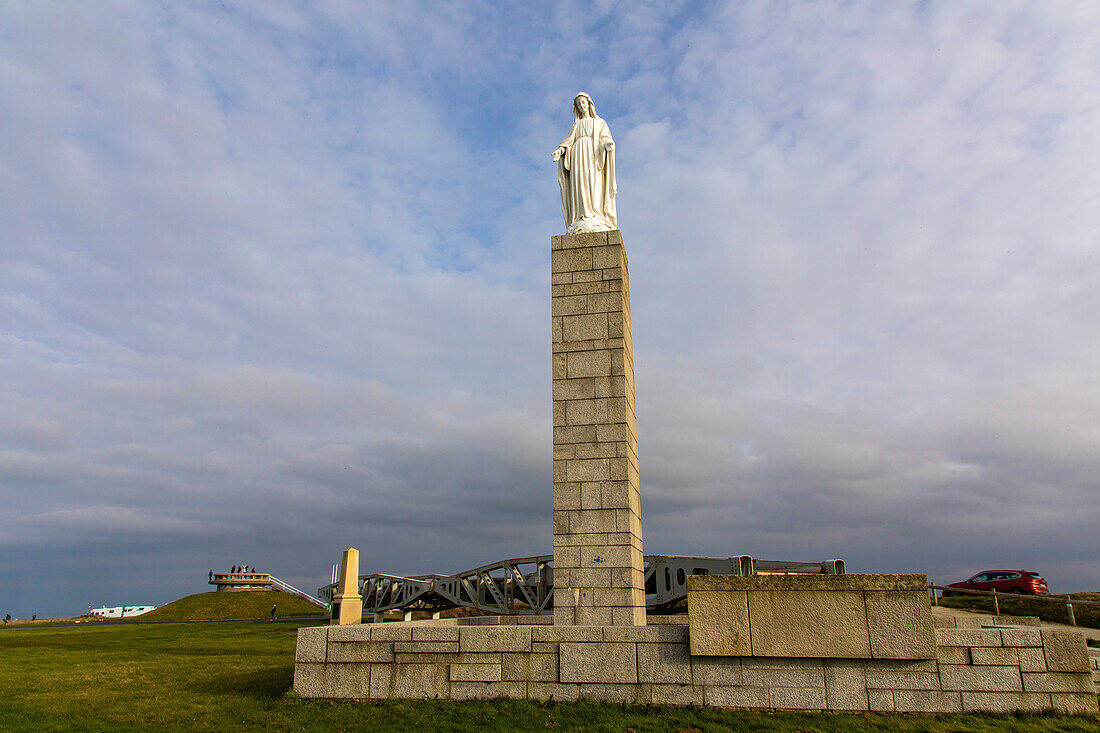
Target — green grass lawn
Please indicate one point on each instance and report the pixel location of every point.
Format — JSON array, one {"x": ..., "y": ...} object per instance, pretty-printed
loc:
[{"x": 237, "y": 676}]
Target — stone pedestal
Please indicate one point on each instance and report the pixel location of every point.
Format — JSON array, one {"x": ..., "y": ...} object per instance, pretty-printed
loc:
[
  {"x": 598, "y": 572},
  {"x": 347, "y": 604}
]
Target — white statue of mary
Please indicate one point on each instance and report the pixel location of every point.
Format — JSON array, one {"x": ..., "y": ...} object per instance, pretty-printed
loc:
[{"x": 586, "y": 171}]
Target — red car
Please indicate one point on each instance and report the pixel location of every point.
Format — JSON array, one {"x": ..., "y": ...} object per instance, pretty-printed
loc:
[{"x": 1003, "y": 581}]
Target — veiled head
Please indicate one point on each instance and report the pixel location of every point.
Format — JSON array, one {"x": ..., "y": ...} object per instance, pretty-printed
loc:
[{"x": 583, "y": 106}]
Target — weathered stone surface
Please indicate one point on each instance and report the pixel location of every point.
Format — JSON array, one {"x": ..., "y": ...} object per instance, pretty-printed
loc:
[
  {"x": 1065, "y": 650},
  {"x": 664, "y": 664},
  {"x": 797, "y": 698},
  {"x": 486, "y": 690},
  {"x": 1031, "y": 660},
  {"x": 807, "y": 624},
  {"x": 968, "y": 637},
  {"x": 786, "y": 674},
  {"x": 1074, "y": 703},
  {"x": 989, "y": 678},
  {"x": 621, "y": 693},
  {"x": 716, "y": 671},
  {"x": 845, "y": 685},
  {"x": 435, "y": 633},
  {"x": 383, "y": 632},
  {"x": 413, "y": 681},
  {"x": 312, "y": 642},
  {"x": 529, "y": 667},
  {"x": 360, "y": 651},
  {"x": 309, "y": 679},
  {"x": 953, "y": 655},
  {"x": 475, "y": 673},
  {"x": 552, "y": 691},
  {"x": 597, "y": 663},
  {"x": 675, "y": 695},
  {"x": 1005, "y": 702},
  {"x": 648, "y": 634},
  {"x": 861, "y": 582},
  {"x": 995, "y": 655},
  {"x": 495, "y": 639},
  {"x": 719, "y": 624},
  {"x": 1021, "y": 637},
  {"x": 736, "y": 697},
  {"x": 426, "y": 647},
  {"x": 1058, "y": 682},
  {"x": 347, "y": 681},
  {"x": 355, "y": 632},
  {"x": 880, "y": 701},
  {"x": 904, "y": 676},
  {"x": 900, "y": 624},
  {"x": 567, "y": 633},
  {"x": 927, "y": 701}
]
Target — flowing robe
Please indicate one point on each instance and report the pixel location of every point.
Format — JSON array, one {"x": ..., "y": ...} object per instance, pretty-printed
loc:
[{"x": 586, "y": 174}]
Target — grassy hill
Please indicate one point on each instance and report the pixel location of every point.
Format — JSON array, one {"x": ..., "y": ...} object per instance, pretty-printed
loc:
[{"x": 239, "y": 605}]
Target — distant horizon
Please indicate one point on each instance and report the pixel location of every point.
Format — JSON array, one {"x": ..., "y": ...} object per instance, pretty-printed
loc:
[{"x": 274, "y": 282}]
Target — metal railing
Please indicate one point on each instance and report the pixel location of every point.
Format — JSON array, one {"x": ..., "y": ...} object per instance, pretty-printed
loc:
[{"x": 1065, "y": 599}]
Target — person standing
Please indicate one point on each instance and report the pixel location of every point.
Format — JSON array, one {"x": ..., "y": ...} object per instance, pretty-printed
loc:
[{"x": 273, "y": 605}]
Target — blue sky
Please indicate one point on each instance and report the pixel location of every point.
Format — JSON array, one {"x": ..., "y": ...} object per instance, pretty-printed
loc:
[{"x": 274, "y": 282}]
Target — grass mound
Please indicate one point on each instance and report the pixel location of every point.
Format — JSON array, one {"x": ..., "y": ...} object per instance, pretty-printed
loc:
[
  {"x": 239, "y": 605},
  {"x": 1047, "y": 610}
]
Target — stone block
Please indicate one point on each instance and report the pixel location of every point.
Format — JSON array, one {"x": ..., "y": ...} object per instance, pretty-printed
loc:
[
  {"x": 845, "y": 685},
  {"x": 1005, "y": 702},
  {"x": 927, "y": 701},
  {"x": 716, "y": 671},
  {"x": 675, "y": 695},
  {"x": 570, "y": 260},
  {"x": 569, "y": 305},
  {"x": 487, "y": 690},
  {"x": 980, "y": 679},
  {"x": 584, "y": 327},
  {"x": 860, "y": 582},
  {"x": 309, "y": 679},
  {"x": 411, "y": 681},
  {"x": 356, "y": 632},
  {"x": 347, "y": 681},
  {"x": 797, "y": 698},
  {"x": 1065, "y": 650},
  {"x": 1021, "y": 637},
  {"x": 1031, "y": 660},
  {"x": 620, "y": 693},
  {"x": 953, "y": 655},
  {"x": 900, "y": 625},
  {"x": 588, "y": 364},
  {"x": 786, "y": 676},
  {"x": 312, "y": 643},
  {"x": 736, "y": 697},
  {"x": 548, "y": 691},
  {"x": 1002, "y": 656},
  {"x": 968, "y": 637},
  {"x": 663, "y": 634},
  {"x": 1074, "y": 703},
  {"x": 360, "y": 651},
  {"x": 664, "y": 664},
  {"x": 384, "y": 632},
  {"x": 902, "y": 680},
  {"x": 495, "y": 639},
  {"x": 1058, "y": 682},
  {"x": 880, "y": 701},
  {"x": 602, "y": 662},
  {"x": 592, "y": 616},
  {"x": 426, "y": 647},
  {"x": 567, "y": 633},
  {"x": 529, "y": 667},
  {"x": 719, "y": 624},
  {"x": 830, "y": 624},
  {"x": 609, "y": 256},
  {"x": 476, "y": 672}
]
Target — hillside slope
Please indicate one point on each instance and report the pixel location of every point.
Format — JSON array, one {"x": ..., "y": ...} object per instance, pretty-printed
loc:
[{"x": 240, "y": 605}]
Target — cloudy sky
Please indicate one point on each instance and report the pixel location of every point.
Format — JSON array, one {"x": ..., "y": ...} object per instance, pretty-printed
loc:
[{"x": 274, "y": 281}]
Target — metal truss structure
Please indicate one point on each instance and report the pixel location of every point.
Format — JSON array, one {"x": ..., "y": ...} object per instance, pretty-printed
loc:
[{"x": 525, "y": 586}]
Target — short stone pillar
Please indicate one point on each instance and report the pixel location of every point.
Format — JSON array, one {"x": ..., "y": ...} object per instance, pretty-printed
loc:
[
  {"x": 598, "y": 571},
  {"x": 347, "y": 604}
]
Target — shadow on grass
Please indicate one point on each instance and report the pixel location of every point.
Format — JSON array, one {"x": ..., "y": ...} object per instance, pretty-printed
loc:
[{"x": 271, "y": 683}]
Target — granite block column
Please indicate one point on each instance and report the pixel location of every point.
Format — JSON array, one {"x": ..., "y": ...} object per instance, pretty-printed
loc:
[{"x": 598, "y": 572}]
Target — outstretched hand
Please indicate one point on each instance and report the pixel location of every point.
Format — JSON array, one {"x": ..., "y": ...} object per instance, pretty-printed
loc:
[{"x": 558, "y": 153}]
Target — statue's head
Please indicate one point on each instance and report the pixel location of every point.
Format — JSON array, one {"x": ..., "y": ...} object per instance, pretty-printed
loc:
[{"x": 583, "y": 106}]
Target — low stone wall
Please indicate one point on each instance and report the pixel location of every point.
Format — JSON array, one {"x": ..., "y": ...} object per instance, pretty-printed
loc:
[{"x": 994, "y": 669}]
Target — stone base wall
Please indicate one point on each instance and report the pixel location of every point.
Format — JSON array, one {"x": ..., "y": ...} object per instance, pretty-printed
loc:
[{"x": 993, "y": 669}]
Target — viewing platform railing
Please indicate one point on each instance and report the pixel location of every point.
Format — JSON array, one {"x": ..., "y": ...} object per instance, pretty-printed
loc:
[{"x": 1065, "y": 599}]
